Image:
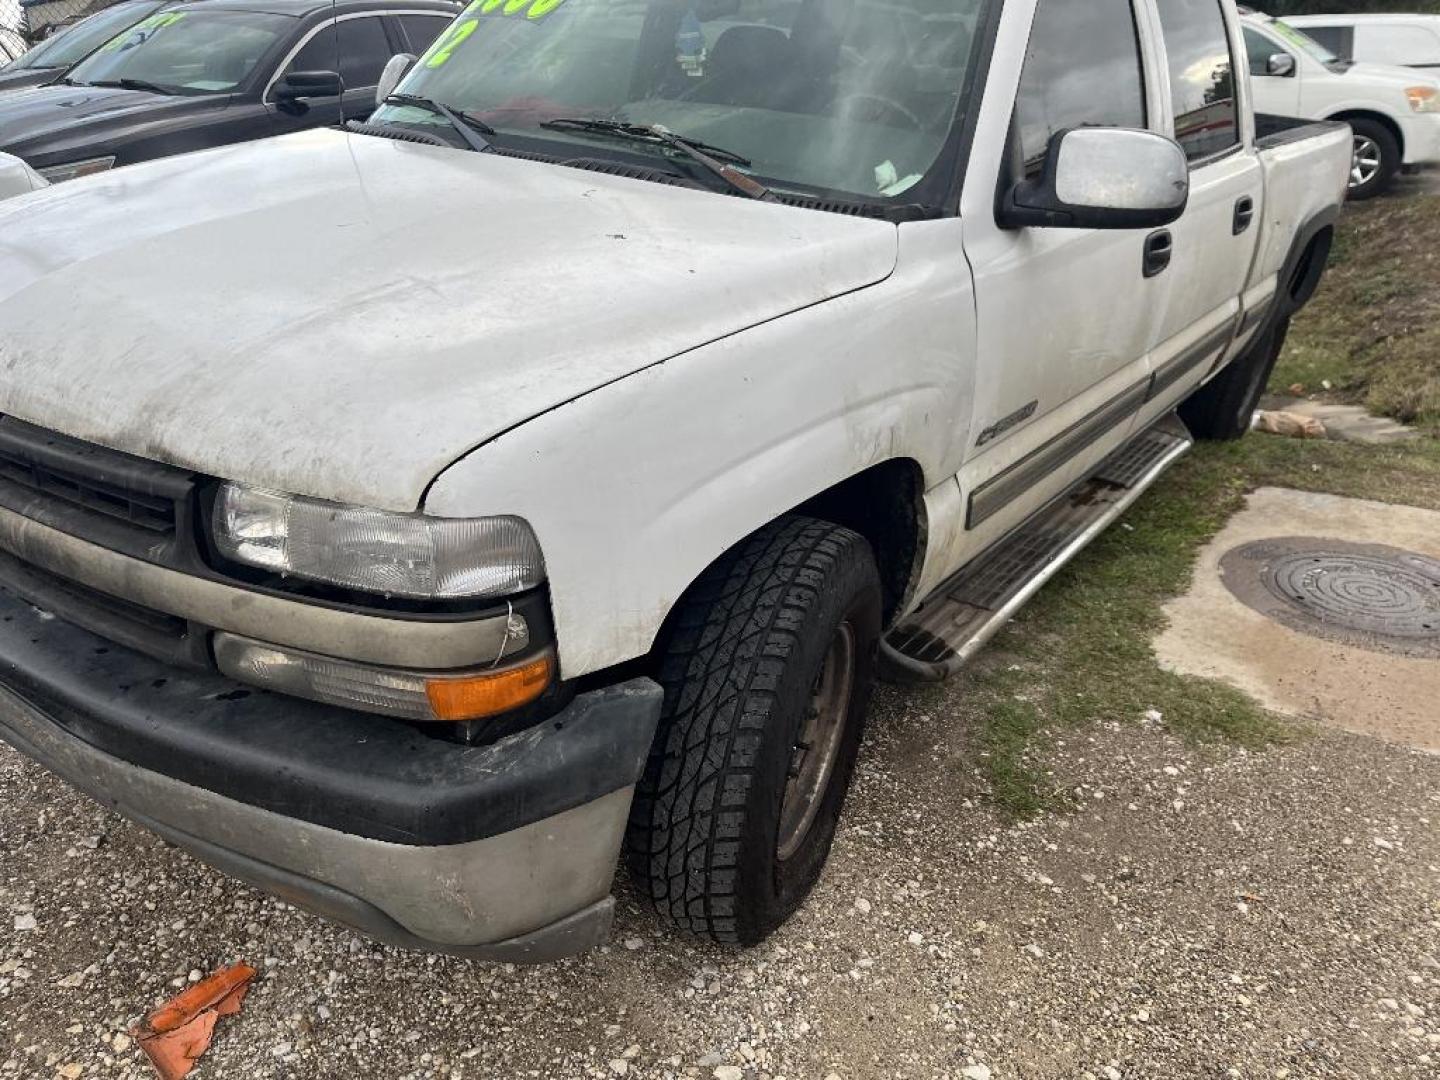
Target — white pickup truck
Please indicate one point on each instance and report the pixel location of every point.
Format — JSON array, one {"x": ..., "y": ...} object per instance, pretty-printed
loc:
[{"x": 549, "y": 465}]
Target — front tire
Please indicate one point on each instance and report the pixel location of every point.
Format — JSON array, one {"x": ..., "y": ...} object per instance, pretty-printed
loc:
[
  {"x": 1224, "y": 408},
  {"x": 767, "y": 672},
  {"x": 1376, "y": 160}
]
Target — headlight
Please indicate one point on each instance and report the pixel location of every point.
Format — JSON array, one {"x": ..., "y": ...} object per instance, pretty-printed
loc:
[
  {"x": 75, "y": 169},
  {"x": 1424, "y": 99},
  {"x": 407, "y": 555}
]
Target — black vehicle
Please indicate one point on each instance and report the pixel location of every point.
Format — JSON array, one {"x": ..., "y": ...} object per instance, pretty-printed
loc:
[
  {"x": 48, "y": 60},
  {"x": 212, "y": 72}
]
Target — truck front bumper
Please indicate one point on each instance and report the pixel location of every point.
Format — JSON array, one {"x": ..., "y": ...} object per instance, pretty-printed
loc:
[{"x": 502, "y": 852}]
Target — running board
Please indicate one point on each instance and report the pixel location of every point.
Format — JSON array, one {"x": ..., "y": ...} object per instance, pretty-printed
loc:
[{"x": 955, "y": 621}]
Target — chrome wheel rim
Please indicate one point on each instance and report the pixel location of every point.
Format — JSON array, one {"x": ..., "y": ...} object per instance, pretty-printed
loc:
[
  {"x": 817, "y": 747},
  {"x": 1365, "y": 165}
]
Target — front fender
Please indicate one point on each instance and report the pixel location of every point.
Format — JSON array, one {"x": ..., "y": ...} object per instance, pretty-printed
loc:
[{"x": 637, "y": 487}]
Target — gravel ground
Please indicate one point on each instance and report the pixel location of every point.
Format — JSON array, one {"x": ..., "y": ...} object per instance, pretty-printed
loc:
[{"x": 1197, "y": 913}]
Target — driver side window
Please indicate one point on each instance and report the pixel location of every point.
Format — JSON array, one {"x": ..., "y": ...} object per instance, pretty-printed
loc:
[
  {"x": 360, "y": 53},
  {"x": 1083, "y": 68}
]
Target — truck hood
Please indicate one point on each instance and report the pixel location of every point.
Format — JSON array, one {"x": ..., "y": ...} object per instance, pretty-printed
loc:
[
  {"x": 343, "y": 316},
  {"x": 25, "y": 78}
]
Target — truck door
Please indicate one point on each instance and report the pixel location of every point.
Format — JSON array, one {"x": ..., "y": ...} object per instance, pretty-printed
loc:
[
  {"x": 1213, "y": 244},
  {"x": 1065, "y": 316}
]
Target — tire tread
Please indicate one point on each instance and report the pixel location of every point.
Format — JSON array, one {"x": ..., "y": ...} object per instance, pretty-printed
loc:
[{"x": 720, "y": 668}]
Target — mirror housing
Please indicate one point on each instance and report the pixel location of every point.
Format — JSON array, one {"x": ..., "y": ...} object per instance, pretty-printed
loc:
[
  {"x": 1281, "y": 65},
  {"x": 395, "y": 69},
  {"x": 293, "y": 88},
  {"x": 1102, "y": 178}
]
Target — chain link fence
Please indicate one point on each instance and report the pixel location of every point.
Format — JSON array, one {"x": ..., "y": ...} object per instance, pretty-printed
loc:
[
  {"x": 12, "y": 36},
  {"x": 24, "y": 22}
]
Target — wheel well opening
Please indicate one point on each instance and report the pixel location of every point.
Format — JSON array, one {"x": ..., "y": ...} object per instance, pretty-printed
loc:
[
  {"x": 886, "y": 505},
  {"x": 1378, "y": 118},
  {"x": 1310, "y": 267}
]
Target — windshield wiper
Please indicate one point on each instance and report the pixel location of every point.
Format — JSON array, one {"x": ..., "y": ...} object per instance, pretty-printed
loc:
[
  {"x": 715, "y": 159},
  {"x": 476, "y": 133},
  {"x": 134, "y": 84}
]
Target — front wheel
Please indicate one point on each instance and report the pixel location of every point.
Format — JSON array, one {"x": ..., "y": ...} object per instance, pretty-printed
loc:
[
  {"x": 1376, "y": 159},
  {"x": 767, "y": 671}
]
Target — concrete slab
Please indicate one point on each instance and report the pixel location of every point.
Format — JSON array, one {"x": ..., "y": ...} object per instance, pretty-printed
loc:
[
  {"x": 1347, "y": 423},
  {"x": 1213, "y": 634}
]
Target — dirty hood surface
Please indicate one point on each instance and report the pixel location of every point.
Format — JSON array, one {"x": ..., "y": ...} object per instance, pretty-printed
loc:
[{"x": 344, "y": 316}]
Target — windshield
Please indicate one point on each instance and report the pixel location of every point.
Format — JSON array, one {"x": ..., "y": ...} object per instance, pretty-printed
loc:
[
  {"x": 852, "y": 96},
  {"x": 79, "y": 41},
  {"x": 185, "y": 52},
  {"x": 1303, "y": 41}
]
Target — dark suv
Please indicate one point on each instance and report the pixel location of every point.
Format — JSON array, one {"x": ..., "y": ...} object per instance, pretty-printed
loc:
[{"x": 211, "y": 72}]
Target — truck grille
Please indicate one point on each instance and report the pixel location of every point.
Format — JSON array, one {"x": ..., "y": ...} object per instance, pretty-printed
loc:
[
  {"x": 146, "y": 511},
  {"x": 140, "y": 507},
  {"x": 154, "y": 633}
]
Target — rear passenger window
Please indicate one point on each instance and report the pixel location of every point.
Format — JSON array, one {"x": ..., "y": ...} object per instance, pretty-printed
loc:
[
  {"x": 1082, "y": 69},
  {"x": 1202, "y": 76},
  {"x": 1340, "y": 40},
  {"x": 421, "y": 30}
]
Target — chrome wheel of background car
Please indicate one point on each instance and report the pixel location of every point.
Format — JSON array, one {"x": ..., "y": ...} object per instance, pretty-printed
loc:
[
  {"x": 817, "y": 746},
  {"x": 1365, "y": 165}
]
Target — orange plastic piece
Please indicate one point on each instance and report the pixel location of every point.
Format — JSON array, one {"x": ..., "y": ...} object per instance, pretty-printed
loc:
[
  {"x": 178, "y": 1032},
  {"x": 488, "y": 694}
]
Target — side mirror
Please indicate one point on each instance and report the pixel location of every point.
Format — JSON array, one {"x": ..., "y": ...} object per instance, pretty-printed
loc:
[
  {"x": 293, "y": 88},
  {"x": 1102, "y": 178},
  {"x": 1281, "y": 65},
  {"x": 390, "y": 78}
]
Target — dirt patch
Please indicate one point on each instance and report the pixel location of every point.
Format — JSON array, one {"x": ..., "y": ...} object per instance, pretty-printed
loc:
[{"x": 1337, "y": 679}]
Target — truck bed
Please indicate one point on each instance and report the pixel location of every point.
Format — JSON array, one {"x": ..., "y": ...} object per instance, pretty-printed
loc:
[{"x": 1307, "y": 168}]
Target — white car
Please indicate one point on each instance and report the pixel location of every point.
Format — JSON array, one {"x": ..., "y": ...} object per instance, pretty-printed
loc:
[
  {"x": 432, "y": 506},
  {"x": 1402, "y": 40},
  {"x": 1394, "y": 111},
  {"x": 17, "y": 178}
]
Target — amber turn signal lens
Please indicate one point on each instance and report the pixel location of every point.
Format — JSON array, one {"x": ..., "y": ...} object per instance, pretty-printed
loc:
[{"x": 494, "y": 692}]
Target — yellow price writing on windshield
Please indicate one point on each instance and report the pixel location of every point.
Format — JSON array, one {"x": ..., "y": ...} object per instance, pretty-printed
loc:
[
  {"x": 446, "y": 44},
  {"x": 460, "y": 30},
  {"x": 154, "y": 22},
  {"x": 534, "y": 9}
]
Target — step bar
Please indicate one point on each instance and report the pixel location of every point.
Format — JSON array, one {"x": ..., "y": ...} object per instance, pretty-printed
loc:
[{"x": 956, "y": 621}]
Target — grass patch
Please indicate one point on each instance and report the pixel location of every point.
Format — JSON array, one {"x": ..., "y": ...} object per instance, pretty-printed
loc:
[
  {"x": 1373, "y": 330},
  {"x": 1080, "y": 651}
]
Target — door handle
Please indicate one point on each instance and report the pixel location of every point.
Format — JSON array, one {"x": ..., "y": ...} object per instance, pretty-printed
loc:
[
  {"x": 1159, "y": 247},
  {"x": 1244, "y": 213}
]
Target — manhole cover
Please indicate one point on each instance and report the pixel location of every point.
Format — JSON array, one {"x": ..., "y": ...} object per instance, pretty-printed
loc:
[{"x": 1367, "y": 595}]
